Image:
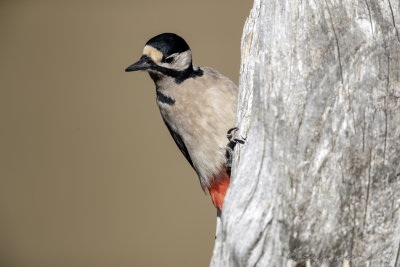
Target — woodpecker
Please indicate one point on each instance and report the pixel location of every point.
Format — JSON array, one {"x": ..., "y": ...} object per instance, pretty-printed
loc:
[{"x": 198, "y": 106}]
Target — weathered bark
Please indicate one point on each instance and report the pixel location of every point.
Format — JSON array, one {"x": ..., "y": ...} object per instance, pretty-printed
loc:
[{"x": 318, "y": 181}]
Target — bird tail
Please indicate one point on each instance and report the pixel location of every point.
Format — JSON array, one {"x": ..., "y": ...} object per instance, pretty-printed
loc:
[{"x": 218, "y": 186}]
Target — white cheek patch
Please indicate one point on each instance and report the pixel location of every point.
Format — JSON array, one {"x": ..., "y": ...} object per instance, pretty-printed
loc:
[
  {"x": 153, "y": 53},
  {"x": 183, "y": 60}
]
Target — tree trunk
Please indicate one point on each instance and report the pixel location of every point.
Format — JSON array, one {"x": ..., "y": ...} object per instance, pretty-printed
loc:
[{"x": 318, "y": 181}]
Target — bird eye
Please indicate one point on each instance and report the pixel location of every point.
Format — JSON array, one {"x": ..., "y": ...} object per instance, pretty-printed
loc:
[{"x": 169, "y": 60}]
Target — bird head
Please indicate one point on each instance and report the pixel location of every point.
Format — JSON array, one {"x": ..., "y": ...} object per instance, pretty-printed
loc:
[{"x": 165, "y": 54}]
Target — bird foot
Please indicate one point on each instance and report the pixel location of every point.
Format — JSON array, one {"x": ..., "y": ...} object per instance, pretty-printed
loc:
[{"x": 231, "y": 145}]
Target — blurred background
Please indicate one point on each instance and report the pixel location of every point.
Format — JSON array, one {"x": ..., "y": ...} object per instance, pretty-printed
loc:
[{"x": 89, "y": 175}]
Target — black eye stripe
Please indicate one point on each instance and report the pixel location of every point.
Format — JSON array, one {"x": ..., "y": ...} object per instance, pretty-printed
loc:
[{"x": 179, "y": 76}]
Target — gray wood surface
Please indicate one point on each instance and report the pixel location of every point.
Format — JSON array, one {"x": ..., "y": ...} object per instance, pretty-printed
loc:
[{"x": 318, "y": 181}]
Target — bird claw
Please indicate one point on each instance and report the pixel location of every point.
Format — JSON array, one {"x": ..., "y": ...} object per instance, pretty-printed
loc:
[{"x": 231, "y": 145}]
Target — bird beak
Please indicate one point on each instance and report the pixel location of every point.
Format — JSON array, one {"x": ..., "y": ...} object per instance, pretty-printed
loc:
[{"x": 143, "y": 63}]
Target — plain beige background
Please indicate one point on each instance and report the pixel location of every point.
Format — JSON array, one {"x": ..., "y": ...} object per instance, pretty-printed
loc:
[{"x": 89, "y": 175}]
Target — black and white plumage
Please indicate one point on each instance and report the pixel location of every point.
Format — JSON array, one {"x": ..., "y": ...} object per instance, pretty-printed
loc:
[{"x": 198, "y": 105}]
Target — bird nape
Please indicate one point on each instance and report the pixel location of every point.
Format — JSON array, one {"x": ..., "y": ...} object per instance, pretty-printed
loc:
[{"x": 198, "y": 106}]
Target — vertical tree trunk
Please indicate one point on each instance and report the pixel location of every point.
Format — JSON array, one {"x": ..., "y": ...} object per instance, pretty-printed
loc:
[{"x": 318, "y": 181}]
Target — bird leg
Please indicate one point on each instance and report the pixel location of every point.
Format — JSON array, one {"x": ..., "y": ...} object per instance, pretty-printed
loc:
[{"x": 231, "y": 145}]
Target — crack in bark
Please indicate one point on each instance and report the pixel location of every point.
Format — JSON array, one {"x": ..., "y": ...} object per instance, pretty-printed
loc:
[
  {"x": 264, "y": 230},
  {"x": 303, "y": 109},
  {"x": 368, "y": 187},
  {"x": 363, "y": 133},
  {"x": 370, "y": 17},
  {"x": 353, "y": 228},
  {"x": 397, "y": 256},
  {"x": 394, "y": 22},
  {"x": 337, "y": 41},
  {"x": 353, "y": 116},
  {"x": 386, "y": 107}
]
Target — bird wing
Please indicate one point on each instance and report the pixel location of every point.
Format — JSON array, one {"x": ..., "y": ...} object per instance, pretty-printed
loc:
[{"x": 179, "y": 142}]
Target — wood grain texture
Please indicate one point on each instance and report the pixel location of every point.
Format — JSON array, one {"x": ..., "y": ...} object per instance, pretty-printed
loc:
[{"x": 318, "y": 181}]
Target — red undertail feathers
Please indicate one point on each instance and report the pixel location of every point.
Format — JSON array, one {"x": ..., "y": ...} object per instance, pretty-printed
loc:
[{"x": 218, "y": 187}]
